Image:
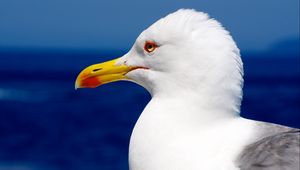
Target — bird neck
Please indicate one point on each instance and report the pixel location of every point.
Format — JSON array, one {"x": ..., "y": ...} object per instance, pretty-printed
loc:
[
  {"x": 200, "y": 108},
  {"x": 201, "y": 104}
]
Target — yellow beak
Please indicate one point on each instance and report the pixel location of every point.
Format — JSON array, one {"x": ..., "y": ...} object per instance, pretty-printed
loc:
[{"x": 98, "y": 74}]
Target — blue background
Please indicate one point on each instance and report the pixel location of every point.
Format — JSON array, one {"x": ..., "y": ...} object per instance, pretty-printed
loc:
[{"x": 46, "y": 124}]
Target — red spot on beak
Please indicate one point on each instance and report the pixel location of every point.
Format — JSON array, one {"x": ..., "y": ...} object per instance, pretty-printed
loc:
[{"x": 90, "y": 82}]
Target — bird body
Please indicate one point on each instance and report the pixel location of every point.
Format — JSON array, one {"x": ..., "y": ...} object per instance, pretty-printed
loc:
[
  {"x": 168, "y": 138},
  {"x": 171, "y": 134},
  {"x": 192, "y": 68}
]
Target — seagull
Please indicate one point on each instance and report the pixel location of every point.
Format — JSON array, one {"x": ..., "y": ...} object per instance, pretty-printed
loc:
[{"x": 192, "y": 68}]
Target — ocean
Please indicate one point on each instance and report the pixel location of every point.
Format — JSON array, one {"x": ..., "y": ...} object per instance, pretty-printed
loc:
[{"x": 46, "y": 124}]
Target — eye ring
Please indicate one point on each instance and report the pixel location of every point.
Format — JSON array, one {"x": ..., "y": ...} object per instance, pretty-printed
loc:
[{"x": 150, "y": 46}]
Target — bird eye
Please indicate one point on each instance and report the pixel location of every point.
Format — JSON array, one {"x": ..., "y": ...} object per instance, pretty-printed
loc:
[{"x": 150, "y": 46}]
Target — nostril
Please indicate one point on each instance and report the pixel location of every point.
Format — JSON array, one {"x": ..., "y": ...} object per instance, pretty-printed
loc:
[{"x": 97, "y": 69}]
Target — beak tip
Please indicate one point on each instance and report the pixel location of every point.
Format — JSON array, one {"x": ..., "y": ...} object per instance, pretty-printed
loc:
[{"x": 77, "y": 86}]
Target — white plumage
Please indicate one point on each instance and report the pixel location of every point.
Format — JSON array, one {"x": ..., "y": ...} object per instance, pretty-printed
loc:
[
  {"x": 192, "y": 68},
  {"x": 195, "y": 79}
]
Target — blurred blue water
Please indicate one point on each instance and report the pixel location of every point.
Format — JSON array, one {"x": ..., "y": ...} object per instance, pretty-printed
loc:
[{"x": 46, "y": 124}]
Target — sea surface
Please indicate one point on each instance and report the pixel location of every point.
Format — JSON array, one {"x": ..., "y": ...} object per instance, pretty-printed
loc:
[{"x": 45, "y": 124}]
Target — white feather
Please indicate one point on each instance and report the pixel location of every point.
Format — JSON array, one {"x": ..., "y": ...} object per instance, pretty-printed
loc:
[{"x": 195, "y": 79}]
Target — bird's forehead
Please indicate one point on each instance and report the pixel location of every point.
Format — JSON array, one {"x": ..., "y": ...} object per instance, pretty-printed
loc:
[
  {"x": 174, "y": 26},
  {"x": 162, "y": 34}
]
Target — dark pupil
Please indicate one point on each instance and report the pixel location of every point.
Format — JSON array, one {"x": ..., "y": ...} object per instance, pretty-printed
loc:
[{"x": 150, "y": 46}]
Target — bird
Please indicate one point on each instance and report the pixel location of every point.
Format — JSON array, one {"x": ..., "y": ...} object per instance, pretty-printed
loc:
[{"x": 192, "y": 68}]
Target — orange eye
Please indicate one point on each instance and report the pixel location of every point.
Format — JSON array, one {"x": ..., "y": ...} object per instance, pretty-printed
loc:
[{"x": 150, "y": 46}]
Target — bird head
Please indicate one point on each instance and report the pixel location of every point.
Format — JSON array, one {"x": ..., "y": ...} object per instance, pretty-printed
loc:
[{"x": 185, "y": 49}]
